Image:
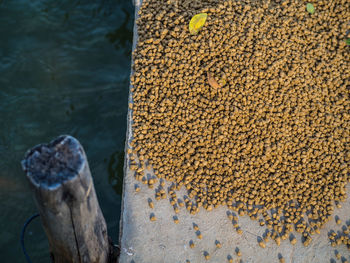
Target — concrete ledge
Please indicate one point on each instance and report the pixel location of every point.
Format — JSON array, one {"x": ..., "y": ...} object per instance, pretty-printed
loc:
[{"x": 164, "y": 241}]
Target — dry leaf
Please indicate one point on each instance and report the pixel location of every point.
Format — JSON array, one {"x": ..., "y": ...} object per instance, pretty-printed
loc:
[{"x": 213, "y": 82}]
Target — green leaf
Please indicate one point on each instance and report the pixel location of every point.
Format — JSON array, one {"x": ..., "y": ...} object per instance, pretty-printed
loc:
[
  {"x": 310, "y": 8},
  {"x": 197, "y": 22},
  {"x": 347, "y": 41}
]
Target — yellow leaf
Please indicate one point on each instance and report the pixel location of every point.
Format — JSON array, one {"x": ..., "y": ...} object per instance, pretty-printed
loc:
[
  {"x": 197, "y": 22},
  {"x": 213, "y": 82}
]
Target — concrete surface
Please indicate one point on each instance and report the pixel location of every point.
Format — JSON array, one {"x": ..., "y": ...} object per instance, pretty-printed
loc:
[{"x": 164, "y": 241}]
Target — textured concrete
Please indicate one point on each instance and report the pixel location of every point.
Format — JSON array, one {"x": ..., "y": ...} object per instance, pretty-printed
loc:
[{"x": 164, "y": 241}]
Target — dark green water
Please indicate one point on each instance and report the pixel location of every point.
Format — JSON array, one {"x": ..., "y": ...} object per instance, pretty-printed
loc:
[{"x": 64, "y": 69}]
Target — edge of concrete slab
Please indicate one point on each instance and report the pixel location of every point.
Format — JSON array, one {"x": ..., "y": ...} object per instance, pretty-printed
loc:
[{"x": 137, "y": 5}]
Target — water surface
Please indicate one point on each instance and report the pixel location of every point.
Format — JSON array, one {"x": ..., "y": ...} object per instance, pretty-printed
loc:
[{"x": 64, "y": 69}]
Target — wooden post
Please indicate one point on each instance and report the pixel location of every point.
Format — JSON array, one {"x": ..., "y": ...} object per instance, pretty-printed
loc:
[{"x": 64, "y": 193}]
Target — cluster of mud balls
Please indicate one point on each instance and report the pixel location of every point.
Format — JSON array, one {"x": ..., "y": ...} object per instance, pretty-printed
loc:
[{"x": 273, "y": 134}]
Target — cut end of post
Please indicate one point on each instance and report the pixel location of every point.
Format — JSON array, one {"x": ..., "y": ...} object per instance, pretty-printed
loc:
[{"x": 50, "y": 165}]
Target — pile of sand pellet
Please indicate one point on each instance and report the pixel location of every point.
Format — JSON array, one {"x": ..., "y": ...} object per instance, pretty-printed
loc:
[{"x": 252, "y": 112}]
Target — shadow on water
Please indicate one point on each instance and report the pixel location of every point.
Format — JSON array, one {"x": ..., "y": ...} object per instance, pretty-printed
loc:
[
  {"x": 115, "y": 171},
  {"x": 122, "y": 36}
]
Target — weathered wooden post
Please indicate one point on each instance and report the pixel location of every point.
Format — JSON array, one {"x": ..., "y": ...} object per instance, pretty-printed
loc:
[{"x": 64, "y": 193}]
